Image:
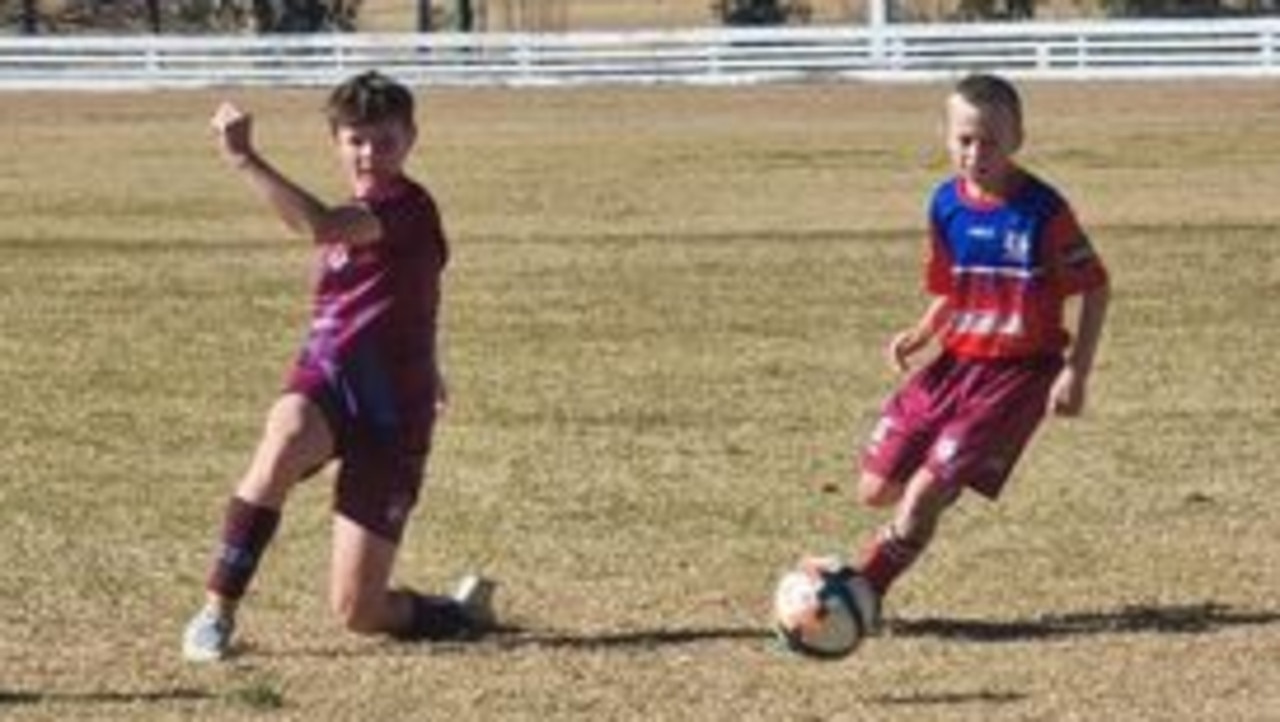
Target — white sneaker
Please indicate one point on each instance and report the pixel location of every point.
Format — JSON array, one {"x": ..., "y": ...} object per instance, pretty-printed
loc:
[
  {"x": 208, "y": 637},
  {"x": 475, "y": 595}
]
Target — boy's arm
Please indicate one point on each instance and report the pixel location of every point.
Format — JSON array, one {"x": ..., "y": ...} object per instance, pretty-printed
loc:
[
  {"x": 301, "y": 211},
  {"x": 1068, "y": 395},
  {"x": 908, "y": 342}
]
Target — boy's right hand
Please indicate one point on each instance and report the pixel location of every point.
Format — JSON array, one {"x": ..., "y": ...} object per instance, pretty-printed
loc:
[
  {"x": 902, "y": 347},
  {"x": 234, "y": 129}
]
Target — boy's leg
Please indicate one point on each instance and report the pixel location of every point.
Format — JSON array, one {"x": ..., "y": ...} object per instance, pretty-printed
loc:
[
  {"x": 893, "y": 548},
  {"x": 296, "y": 440},
  {"x": 361, "y": 596},
  {"x": 359, "y": 578},
  {"x": 877, "y": 491},
  {"x": 899, "y": 443},
  {"x": 377, "y": 490}
]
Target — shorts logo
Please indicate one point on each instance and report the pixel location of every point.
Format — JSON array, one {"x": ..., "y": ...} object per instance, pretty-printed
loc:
[
  {"x": 946, "y": 450},
  {"x": 880, "y": 433},
  {"x": 397, "y": 510}
]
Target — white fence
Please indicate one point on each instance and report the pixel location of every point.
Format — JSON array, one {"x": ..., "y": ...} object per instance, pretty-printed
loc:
[{"x": 1098, "y": 49}]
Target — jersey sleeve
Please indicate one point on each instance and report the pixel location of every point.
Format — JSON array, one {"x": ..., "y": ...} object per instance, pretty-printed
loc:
[
  {"x": 937, "y": 262},
  {"x": 1076, "y": 265},
  {"x": 412, "y": 225},
  {"x": 937, "y": 265}
]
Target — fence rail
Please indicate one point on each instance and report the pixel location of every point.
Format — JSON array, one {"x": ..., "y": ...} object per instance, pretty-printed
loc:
[{"x": 1096, "y": 49}]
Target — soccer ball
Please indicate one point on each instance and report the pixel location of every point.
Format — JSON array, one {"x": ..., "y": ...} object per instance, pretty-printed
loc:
[{"x": 823, "y": 608}]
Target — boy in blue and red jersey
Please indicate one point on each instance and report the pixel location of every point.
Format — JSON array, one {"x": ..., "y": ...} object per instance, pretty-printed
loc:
[
  {"x": 1005, "y": 252},
  {"x": 366, "y": 387}
]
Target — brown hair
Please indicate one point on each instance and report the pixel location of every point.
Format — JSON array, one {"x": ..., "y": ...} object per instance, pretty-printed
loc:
[
  {"x": 369, "y": 97},
  {"x": 991, "y": 91}
]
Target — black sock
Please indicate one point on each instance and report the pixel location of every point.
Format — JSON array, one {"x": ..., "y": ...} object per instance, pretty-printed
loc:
[{"x": 434, "y": 618}]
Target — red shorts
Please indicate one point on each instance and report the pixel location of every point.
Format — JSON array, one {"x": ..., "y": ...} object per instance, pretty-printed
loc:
[
  {"x": 381, "y": 428},
  {"x": 966, "y": 421}
]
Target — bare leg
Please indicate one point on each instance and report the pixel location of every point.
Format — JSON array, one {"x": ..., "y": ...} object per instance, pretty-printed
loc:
[
  {"x": 896, "y": 546},
  {"x": 876, "y": 491},
  {"x": 359, "y": 583},
  {"x": 295, "y": 441}
]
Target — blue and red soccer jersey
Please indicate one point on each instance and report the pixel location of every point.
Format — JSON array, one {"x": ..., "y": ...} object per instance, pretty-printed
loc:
[{"x": 1007, "y": 267}]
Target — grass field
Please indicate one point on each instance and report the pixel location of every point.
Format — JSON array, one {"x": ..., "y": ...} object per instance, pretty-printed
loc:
[{"x": 664, "y": 323}]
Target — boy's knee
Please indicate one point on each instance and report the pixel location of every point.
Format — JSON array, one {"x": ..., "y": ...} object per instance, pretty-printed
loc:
[
  {"x": 295, "y": 443},
  {"x": 877, "y": 491},
  {"x": 923, "y": 506}
]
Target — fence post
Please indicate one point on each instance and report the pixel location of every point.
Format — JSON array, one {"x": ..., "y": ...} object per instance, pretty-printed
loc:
[
  {"x": 877, "y": 22},
  {"x": 524, "y": 56},
  {"x": 152, "y": 62}
]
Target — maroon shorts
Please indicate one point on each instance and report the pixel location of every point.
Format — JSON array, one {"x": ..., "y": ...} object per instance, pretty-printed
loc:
[
  {"x": 966, "y": 421},
  {"x": 381, "y": 428}
]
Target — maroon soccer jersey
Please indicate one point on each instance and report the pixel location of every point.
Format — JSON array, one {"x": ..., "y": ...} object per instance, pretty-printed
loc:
[
  {"x": 373, "y": 323},
  {"x": 369, "y": 361}
]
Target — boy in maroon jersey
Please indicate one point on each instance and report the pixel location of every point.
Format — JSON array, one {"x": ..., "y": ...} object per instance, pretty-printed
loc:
[
  {"x": 1005, "y": 252},
  {"x": 365, "y": 388}
]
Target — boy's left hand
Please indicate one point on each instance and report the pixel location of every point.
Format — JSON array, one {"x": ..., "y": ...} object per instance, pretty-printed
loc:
[{"x": 1067, "y": 396}]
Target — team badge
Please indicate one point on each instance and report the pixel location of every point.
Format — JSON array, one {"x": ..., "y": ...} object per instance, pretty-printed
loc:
[
  {"x": 1017, "y": 246},
  {"x": 337, "y": 257}
]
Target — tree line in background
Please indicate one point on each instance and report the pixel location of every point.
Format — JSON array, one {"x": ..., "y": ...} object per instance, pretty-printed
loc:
[
  {"x": 310, "y": 16},
  {"x": 181, "y": 16}
]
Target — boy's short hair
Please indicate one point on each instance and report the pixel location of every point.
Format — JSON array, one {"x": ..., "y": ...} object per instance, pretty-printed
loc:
[
  {"x": 369, "y": 97},
  {"x": 983, "y": 90}
]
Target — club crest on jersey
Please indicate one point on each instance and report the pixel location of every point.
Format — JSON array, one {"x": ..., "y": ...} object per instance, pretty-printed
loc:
[
  {"x": 337, "y": 257},
  {"x": 1017, "y": 246}
]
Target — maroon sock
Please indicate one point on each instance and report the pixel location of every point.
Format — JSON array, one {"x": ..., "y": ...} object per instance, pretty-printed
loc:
[
  {"x": 885, "y": 557},
  {"x": 246, "y": 531}
]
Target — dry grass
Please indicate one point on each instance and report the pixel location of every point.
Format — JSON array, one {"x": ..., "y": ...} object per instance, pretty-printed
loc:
[{"x": 664, "y": 323}]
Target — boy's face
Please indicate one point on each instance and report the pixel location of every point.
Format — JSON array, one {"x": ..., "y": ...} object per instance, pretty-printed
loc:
[
  {"x": 981, "y": 142},
  {"x": 372, "y": 154}
]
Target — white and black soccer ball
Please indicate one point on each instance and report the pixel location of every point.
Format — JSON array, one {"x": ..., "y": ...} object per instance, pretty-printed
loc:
[{"x": 824, "y": 608}]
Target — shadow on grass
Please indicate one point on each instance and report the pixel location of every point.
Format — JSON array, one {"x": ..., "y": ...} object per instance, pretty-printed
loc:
[
  {"x": 643, "y": 639},
  {"x": 1130, "y": 619},
  {"x": 985, "y": 697},
  {"x": 15, "y": 698},
  {"x": 514, "y": 637}
]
